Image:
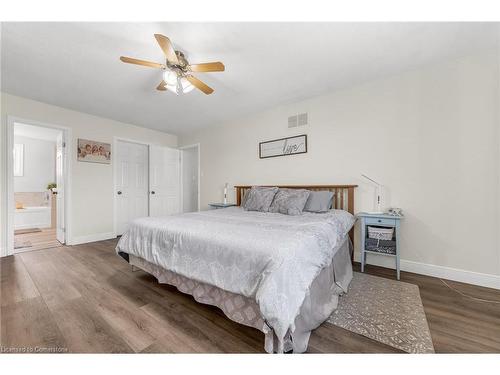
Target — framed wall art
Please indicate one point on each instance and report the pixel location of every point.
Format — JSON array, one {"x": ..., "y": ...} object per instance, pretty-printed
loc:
[
  {"x": 94, "y": 152},
  {"x": 283, "y": 146}
]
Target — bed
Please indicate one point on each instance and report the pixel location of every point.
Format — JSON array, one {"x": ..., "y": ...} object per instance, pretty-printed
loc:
[{"x": 278, "y": 273}]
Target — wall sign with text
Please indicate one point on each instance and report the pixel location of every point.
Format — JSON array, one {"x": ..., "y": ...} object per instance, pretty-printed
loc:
[{"x": 283, "y": 146}]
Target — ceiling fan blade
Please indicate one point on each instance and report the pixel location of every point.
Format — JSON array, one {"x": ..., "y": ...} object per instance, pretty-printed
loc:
[
  {"x": 167, "y": 48},
  {"x": 162, "y": 86},
  {"x": 207, "y": 67},
  {"x": 200, "y": 85},
  {"x": 130, "y": 60}
]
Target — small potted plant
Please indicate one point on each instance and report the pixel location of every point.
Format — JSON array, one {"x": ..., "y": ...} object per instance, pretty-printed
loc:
[{"x": 52, "y": 187}]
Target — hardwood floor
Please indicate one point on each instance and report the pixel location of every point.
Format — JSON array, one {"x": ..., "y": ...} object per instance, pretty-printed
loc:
[{"x": 86, "y": 299}]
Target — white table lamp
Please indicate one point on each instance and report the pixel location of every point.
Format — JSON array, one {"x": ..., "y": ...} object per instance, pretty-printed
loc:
[{"x": 379, "y": 204}]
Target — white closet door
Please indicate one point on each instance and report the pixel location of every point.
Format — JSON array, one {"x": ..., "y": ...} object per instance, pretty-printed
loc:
[
  {"x": 164, "y": 172},
  {"x": 131, "y": 187},
  {"x": 60, "y": 153}
]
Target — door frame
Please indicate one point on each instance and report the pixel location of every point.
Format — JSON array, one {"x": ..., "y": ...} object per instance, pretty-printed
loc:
[
  {"x": 115, "y": 173},
  {"x": 198, "y": 146},
  {"x": 9, "y": 189}
]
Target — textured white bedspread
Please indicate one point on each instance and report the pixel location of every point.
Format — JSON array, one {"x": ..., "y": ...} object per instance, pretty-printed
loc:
[{"x": 270, "y": 257}]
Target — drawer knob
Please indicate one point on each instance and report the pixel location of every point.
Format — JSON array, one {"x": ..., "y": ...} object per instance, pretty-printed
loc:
[{"x": 379, "y": 220}]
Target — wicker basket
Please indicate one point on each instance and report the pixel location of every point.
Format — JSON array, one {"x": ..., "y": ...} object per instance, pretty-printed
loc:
[{"x": 379, "y": 233}]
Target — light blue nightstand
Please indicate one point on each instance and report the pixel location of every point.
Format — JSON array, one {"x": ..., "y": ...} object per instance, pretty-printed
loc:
[
  {"x": 389, "y": 248},
  {"x": 221, "y": 205}
]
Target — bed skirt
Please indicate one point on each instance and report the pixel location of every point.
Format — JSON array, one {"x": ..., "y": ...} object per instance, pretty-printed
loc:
[{"x": 320, "y": 301}]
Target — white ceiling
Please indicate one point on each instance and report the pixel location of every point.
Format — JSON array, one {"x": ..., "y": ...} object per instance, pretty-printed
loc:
[
  {"x": 76, "y": 65},
  {"x": 37, "y": 132}
]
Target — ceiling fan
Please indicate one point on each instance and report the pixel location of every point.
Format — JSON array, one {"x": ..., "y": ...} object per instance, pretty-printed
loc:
[{"x": 177, "y": 72}]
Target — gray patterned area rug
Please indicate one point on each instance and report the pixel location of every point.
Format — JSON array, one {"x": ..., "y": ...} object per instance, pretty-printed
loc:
[{"x": 384, "y": 310}]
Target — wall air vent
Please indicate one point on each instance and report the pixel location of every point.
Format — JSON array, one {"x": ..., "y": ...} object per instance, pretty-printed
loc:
[
  {"x": 302, "y": 119},
  {"x": 297, "y": 120},
  {"x": 293, "y": 121}
]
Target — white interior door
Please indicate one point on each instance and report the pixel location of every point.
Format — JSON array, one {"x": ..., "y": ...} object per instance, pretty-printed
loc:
[
  {"x": 190, "y": 173},
  {"x": 164, "y": 172},
  {"x": 131, "y": 184},
  {"x": 60, "y": 156}
]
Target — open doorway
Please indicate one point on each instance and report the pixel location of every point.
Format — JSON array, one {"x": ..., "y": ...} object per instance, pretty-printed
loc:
[
  {"x": 190, "y": 171},
  {"x": 36, "y": 178}
]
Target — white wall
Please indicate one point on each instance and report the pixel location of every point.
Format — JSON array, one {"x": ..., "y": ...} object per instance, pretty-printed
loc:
[
  {"x": 39, "y": 165},
  {"x": 91, "y": 184},
  {"x": 430, "y": 135}
]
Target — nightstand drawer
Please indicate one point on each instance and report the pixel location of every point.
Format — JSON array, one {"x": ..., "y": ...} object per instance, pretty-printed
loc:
[{"x": 380, "y": 221}]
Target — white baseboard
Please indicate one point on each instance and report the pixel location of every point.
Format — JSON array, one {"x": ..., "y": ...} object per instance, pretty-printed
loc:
[
  {"x": 448, "y": 273},
  {"x": 91, "y": 238}
]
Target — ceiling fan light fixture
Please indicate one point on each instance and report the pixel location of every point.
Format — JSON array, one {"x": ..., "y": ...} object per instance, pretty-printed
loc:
[
  {"x": 170, "y": 77},
  {"x": 176, "y": 70}
]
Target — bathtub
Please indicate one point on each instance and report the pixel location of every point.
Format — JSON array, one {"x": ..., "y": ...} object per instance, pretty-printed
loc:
[{"x": 32, "y": 217}]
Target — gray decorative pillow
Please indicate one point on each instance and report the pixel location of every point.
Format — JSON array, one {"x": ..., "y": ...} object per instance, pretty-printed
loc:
[
  {"x": 289, "y": 201},
  {"x": 319, "y": 201},
  {"x": 259, "y": 198}
]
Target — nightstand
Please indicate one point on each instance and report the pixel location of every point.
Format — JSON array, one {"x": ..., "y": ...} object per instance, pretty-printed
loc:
[
  {"x": 221, "y": 205},
  {"x": 373, "y": 246}
]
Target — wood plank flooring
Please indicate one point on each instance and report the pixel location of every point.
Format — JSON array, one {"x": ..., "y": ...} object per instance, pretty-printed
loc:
[{"x": 86, "y": 299}]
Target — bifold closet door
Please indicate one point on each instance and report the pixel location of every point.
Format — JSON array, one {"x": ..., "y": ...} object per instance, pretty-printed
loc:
[
  {"x": 164, "y": 181},
  {"x": 131, "y": 189}
]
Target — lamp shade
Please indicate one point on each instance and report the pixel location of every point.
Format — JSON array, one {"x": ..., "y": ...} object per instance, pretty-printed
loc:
[
  {"x": 186, "y": 85},
  {"x": 170, "y": 77}
]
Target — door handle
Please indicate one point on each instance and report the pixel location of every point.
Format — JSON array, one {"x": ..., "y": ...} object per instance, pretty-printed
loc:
[
  {"x": 152, "y": 192},
  {"x": 119, "y": 192}
]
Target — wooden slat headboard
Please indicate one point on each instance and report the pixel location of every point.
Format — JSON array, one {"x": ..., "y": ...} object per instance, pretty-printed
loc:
[{"x": 343, "y": 196}]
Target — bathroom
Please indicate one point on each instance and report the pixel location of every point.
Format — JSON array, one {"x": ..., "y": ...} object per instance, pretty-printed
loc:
[{"x": 35, "y": 189}]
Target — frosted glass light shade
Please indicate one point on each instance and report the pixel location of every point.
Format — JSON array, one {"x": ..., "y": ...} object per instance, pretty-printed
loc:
[
  {"x": 186, "y": 85},
  {"x": 170, "y": 77},
  {"x": 176, "y": 84},
  {"x": 172, "y": 88}
]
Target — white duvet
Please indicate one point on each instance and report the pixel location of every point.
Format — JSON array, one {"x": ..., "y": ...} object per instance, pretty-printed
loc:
[{"x": 272, "y": 258}]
